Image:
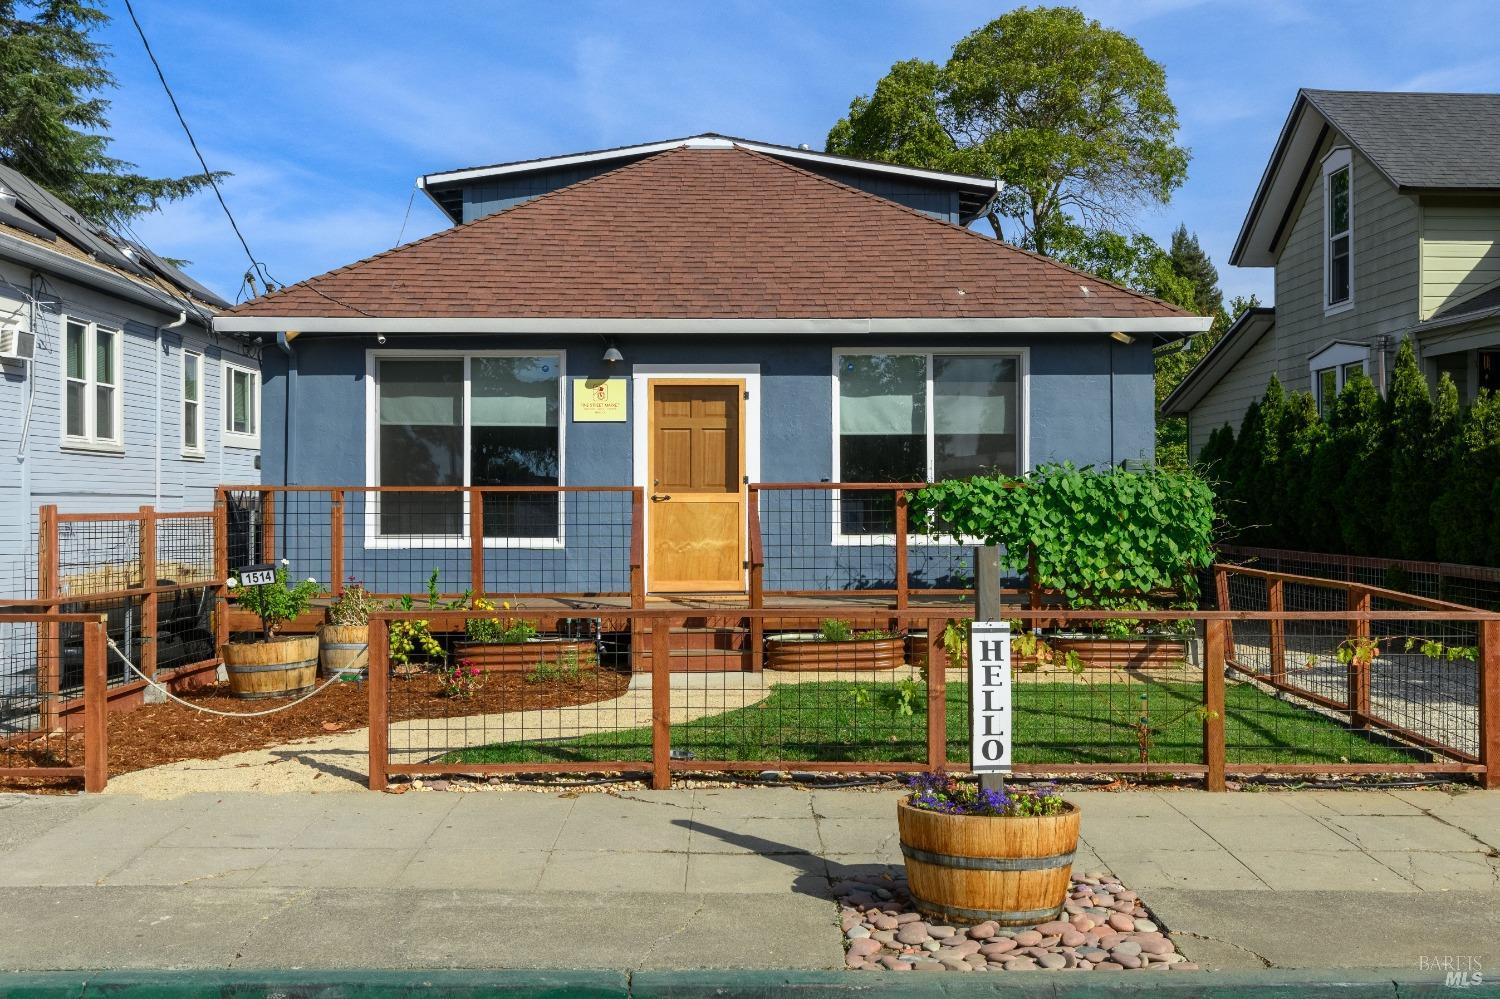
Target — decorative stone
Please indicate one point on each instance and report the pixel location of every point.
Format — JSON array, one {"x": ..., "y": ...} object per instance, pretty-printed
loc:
[
  {"x": 999, "y": 947},
  {"x": 940, "y": 932},
  {"x": 911, "y": 933},
  {"x": 1121, "y": 922},
  {"x": 982, "y": 932},
  {"x": 857, "y": 932},
  {"x": 865, "y": 947},
  {"x": 1144, "y": 926},
  {"x": 1028, "y": 938},
  {"x": 1052, "y": 961}
]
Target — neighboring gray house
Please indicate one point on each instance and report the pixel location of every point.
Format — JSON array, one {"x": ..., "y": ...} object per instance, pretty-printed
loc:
[
  {"x": 114, "y": 390},
  {"x": 1381, "y": 215},
  {"x": 689, "y": 317}
]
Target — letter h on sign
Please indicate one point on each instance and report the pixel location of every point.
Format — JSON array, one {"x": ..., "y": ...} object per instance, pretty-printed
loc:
[{"x": 989, "y": 697}]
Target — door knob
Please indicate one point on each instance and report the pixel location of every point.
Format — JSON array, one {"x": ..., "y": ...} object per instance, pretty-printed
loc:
[{"x": 660, "y": 497}]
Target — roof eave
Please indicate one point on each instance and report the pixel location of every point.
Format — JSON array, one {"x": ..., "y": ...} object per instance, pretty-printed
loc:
[
  {"x": 1224, "y": 355},
  {"x": 1165, "y": 326}
]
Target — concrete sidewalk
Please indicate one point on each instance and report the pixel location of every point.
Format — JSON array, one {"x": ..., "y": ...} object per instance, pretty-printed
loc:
[{"x": 706, "y": 878}]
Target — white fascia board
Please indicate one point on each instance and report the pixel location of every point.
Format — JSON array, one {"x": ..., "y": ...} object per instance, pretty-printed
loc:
[
  {"x": 1165, "y": 325},
  {"x": 701, "y": 142}
]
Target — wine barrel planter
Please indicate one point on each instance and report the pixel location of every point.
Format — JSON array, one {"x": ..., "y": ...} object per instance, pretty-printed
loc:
[
  {"x": 811, "y": 655},
  {"x": 344, "y": 650},
  {"x": 523, "y": 657},
  {"x": 1137, "y": 652},
  {"x": 969, "y": 869},
  {"x": 281, "y": 667}
]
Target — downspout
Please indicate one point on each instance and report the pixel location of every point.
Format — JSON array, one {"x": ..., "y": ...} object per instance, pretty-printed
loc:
[
  {"x": 161, "y": 346},
  {"x": 284, "y": 341},
  {"x": 1111, "y": 403}
]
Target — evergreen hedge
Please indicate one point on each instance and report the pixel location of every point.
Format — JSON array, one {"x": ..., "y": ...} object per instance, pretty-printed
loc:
[{"x": 1409, "y": 476}]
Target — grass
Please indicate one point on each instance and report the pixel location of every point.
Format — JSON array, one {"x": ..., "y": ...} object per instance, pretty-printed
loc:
[{"x": 1092, "y": 722}]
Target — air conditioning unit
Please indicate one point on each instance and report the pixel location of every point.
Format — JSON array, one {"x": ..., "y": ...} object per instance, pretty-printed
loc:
[{"x": 17, "y": 344}]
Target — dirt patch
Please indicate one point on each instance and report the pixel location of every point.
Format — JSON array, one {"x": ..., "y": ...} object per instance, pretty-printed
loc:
[{"x": 158, "y": 734}]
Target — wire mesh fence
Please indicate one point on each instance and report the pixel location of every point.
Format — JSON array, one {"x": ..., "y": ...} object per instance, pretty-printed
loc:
[
  {"x": 1404, "y": 674},
  {"x": 878, "y": 690},
  {"x": 1471, "y": 585},
  {"x": 47, "y": 728},
  {"x": 492, "y": 540}
]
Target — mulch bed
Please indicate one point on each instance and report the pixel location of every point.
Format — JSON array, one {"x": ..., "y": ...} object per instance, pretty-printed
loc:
[{"x": 169, "y": 733}]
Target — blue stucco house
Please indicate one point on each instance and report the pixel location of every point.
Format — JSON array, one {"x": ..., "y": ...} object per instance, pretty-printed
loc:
[
  {"x": 115, "y": 390},
  {"x": 692, "y": 317}
]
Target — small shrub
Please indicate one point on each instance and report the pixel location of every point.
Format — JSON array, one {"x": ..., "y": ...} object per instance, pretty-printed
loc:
[
  {"x": 938, "y": 792},
  {"x": 460, "y": 680},
  {"x": 410, "y": 640},
  {"x": 352, "y": 607},
  {"x": 834, "y": 630},
  {"x": 567, "y": 669},
  {"x": 276, "y": 603},
  {"x": 497, "y": 630}
]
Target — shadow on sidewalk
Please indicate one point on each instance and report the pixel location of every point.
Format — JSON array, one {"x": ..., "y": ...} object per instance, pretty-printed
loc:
[{"x": 816, "y": 875}]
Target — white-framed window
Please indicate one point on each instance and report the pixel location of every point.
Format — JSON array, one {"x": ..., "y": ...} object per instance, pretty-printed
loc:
[
  {"x": 192, "y": 404},
  {"x": 92, "y": 403},
  {"x": 1331, "y": 369},
  {"x": 465, "y": 418},
  {"x": 1338, "y": 226},
  {"x": 903, "y": 415},
  {"x": 241, "y": 388}
]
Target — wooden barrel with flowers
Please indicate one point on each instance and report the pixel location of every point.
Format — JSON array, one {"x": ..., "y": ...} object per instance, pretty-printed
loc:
[{"x": 1011, "y": 869}]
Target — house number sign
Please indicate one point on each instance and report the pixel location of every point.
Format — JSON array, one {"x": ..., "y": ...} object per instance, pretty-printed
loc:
[
  {"x": 989, "y": 692},
  {"x": 257, "y": 575}
]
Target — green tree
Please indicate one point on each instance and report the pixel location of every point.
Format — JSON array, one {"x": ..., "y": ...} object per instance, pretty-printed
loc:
[
  {"x": 1409, "y": 529},
  {"x": 1464, "y": 511},
  {"x": 1072, "y": 116},
  {"x": 1351, "y": 471},
  {"x": 1189, "y": 261},
  {"x": 1173, "y": 362},
  {"x": 53, "y": 121}
]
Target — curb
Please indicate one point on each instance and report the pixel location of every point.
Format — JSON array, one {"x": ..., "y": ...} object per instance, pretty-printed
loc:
[{"x": 727, "y": 984}]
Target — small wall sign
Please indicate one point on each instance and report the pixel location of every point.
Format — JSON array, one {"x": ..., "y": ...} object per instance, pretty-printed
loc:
[
  {"x": 989, "y": 693},
  {"x": 598, "y": 400}
]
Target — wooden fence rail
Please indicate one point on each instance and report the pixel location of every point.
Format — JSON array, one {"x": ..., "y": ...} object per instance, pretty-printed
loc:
[{"x": 49, "y": 723}]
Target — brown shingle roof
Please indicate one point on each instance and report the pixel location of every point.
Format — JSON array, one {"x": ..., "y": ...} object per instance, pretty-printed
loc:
[{"x": 706, "y": 233}]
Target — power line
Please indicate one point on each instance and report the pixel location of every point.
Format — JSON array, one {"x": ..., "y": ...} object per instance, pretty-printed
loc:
[{"x": 254, "y": 263}]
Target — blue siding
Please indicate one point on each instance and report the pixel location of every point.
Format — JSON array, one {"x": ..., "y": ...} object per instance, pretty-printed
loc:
[
  {"x": 1079, "y": 411},
  {"x": 151, "y": 469},
  {"x": 479, "y": 200}
]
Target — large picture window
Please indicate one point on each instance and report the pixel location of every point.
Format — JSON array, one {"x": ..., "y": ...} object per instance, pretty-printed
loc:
[
  {"x": 480, "y": 419},
  {"x": 92, "y": 409},
  {"x": 919, "y": 417}
]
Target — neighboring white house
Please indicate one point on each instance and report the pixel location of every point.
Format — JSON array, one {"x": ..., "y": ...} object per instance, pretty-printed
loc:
[
  {"x": 114, "y": 391},
  {"x": 1381, "y": 214}
]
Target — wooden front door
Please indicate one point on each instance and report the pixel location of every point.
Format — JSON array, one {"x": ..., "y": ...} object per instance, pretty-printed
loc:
[{"x": 696, "y": 496}]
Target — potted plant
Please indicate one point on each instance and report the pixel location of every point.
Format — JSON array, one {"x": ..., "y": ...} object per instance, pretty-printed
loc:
[
  {"x": 836, "y": 646},
  {"x": 273, "y": 666},
  {"x": 497, "y": 643},
  {"x": 345, "y": 640},
  {"x": 975, "y": 856}
]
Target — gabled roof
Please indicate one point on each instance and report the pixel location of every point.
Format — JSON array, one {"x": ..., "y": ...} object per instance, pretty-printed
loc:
[
  {"x": 974, "y": 193},
  {"x": 1236, "y": 342},
  {"x": 1418, "y": 142},
  {"x": 39, "y": 226},
  {"x": 1485, "y": 305},
  {"x": 704, "y": 233}
]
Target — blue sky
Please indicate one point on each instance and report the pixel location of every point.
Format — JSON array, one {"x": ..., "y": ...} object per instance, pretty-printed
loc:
[{"x": 326, "y": 112}]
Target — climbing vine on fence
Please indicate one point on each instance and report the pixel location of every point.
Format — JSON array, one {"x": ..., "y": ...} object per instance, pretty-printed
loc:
[{"x": 1103, "y": 537}]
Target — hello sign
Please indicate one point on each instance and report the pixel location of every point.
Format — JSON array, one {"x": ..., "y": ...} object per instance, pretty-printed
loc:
[{"x": 989, "y": 697}]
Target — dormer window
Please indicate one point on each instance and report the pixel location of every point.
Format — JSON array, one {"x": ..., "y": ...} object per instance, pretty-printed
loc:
[{"x": 1338, "y": 250}]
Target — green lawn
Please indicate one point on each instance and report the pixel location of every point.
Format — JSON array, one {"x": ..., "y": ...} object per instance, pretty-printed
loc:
[{"x": 1093, "y": 722}]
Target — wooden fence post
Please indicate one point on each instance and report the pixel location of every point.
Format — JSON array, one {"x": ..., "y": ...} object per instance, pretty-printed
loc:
[
  {"x": 902, "y": 572},
  {"x": 221, "y": 569},
  {"x": 148, "y": 581},
  {"x": 1213, "y": 706},
  {"x": 756, "y": 557},
  {"x": 380, "y": 676},
  {"x": 268, "y": 526},
  {"x": 95, "y": 707},
  {"x": 49, "y": 635},
  {"x": 661, "y": 704},
  {"x": 638, "y": 549},
  {"x": 1489, "y": 703},
  {"x": 1276, "y": 604},
  {"x": 1221, "y": 599},
  {"x": 937, "y": 697},
  {"x": 476, "y": 541},
  {"x": 336, "y": 541},
  {"x": 1359, "y": 669}
]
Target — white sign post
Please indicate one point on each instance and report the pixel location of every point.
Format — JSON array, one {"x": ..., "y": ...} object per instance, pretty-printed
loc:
[{"x": 989, "y": 697}]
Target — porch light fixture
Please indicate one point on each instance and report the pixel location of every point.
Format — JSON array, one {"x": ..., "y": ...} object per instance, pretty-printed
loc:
[
  {"x": 1124, "y": 338},
  {"x": 612, "y": 354}
]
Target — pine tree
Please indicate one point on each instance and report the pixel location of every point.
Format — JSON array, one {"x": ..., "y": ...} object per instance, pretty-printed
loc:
[
  {"x": 1189, "y": 260},
  {"x": 1469, "y": 494},
  {"x": 1300, "y": 435},
  {"x": 53, "y": 122}
]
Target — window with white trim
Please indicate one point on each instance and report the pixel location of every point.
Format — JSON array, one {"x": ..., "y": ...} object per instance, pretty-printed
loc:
[
  {"x": 1338, "y": 213},
  {"x": 192, "y": 403},
  {"x": 907, "y": 416},
  {"x": 241, "y": 387},
  {"x": 472, "y": 419},
  {"x": 1332, "y": 368},
  {"x": 93, "y": 408}
]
